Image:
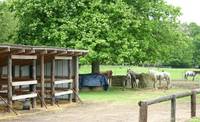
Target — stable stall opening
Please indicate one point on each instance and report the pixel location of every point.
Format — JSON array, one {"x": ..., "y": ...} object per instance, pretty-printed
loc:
[
  {"x": 58, "y": 79},
  {"x": 17, "y": 85},
  {"x": 27, "y": 72}
]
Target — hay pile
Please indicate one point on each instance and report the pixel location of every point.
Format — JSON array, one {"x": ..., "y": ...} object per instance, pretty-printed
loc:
[{"x": 145, "y": 80}]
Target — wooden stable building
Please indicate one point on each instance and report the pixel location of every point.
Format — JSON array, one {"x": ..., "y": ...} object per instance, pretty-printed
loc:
[{"x": 29, "y": 71}]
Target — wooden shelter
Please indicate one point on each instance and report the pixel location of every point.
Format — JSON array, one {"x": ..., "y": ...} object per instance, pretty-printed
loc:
[{"x": 28, "y": 70}]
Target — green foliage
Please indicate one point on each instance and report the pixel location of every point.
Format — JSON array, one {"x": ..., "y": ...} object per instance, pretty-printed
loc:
[
  {"x": 105, "y": 28},
  {"x": 8, "y": 24},
  {"x": 115, "y": 32},
  {"x": 194, "y": 32}
]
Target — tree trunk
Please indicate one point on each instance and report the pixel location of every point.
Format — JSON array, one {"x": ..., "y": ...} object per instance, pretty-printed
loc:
[{"x": 95, "y": 67}]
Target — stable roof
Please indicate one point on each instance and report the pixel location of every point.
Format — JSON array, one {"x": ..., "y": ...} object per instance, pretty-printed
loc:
[{"x": 35, "y": 50}]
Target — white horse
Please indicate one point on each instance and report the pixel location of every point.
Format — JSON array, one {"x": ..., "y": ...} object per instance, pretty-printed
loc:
[
  {"x": 190, "y": 73},
  {"x": 160, "y": 76}
]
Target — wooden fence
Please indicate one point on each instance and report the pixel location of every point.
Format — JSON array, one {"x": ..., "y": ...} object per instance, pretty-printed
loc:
[{"x": 144, "y": 104}]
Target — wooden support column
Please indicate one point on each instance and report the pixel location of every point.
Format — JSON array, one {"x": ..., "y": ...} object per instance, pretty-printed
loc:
[
  {"x": 42, "y": 79},
  {"x": 34, "y": 86},
  {"x": 20, "y": 75},
  {"x": 13, "y": 76},
  {"x": 193, "y": 104},
  {"x": 53, "y": 81},
  {"x": 75, "y": 62},
  {"x": 70, "y": 77},
  {"x": 1, "y": 75},
  {"x": 143, "y": 112},
  {"x": 9, "y": 72},
  {"x": 173, "y": 108}
]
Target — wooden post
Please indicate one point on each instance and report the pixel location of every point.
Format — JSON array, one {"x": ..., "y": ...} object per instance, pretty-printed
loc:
[
  {"x": 173, "y": 108},
  {"x": 1, "y": 76},
  {"x": 193, "y": 104},
  {"x": 34, "y": 86},
  {"x": 9, "y": 72},
  {"x": 42, "y": 79},
  {"x": 13, "y": 76},
  {"x": 70, "y": 76},
  {"x": 75, "y": 62},
  {"x": 53, "y": 82},
  {"x": 143, "y": 112}
]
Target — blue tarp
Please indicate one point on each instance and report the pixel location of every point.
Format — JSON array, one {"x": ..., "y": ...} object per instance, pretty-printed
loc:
[{"x": 93, "y": 80}]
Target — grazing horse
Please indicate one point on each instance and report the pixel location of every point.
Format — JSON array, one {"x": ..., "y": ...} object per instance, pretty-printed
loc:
[
  {"x": 192, "y": 74},
  {"x": 160, "y": 76},
  {"x": 132, "y": 78}
]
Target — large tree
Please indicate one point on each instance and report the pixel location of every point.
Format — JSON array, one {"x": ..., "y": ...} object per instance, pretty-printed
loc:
[
  {"x": 8, "y": 24},
  {"x": 193, "y": 31},
  {"x": 114, "y": 31}
]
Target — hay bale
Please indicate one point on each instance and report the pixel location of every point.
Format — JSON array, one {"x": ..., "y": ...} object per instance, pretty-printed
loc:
[
  {"x": 145, "y": 80},
  {"x": 117, "y": 80}
]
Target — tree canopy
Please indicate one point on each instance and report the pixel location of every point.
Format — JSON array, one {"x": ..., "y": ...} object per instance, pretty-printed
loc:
[
  {"x": 114, "y": 31},
  {"x": 8, "y": 24},
  {"x": 193, "y": 31}
]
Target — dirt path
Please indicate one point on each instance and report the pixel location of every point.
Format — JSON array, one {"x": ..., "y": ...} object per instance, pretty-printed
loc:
[{"x": 108, "y": 112}]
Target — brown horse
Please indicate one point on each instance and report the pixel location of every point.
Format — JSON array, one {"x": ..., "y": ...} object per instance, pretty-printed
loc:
[{"x": 108, "y": 74}]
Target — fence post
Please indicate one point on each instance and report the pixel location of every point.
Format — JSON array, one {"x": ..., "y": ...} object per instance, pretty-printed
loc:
[
  {"x": 193, "y": 104},
  {"x": 173, "y": 108},
  {"x": 143, "y": 112}
]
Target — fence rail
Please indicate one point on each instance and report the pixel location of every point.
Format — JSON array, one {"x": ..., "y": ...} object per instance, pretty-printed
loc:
[{"x": 144, "y": 104}]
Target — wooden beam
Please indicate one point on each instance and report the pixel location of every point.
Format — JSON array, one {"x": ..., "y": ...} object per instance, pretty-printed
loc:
[
  {"x": 18, "y": 51},
  {"x": 78, "y": 53},
  {"x": 193, "y": 104},
  {"x": 33, "y": 86},
  {"x": 70, "y": 53},
  {"x": 23, "y": 56},
  {"x": 28, "y": 52},
  {"x": 52, "y": 81},
  {"x": 63, "y": 93},
  {"x": 69, "y": 63},
  {"x": 5, "y": 50},
  {"x": 4, "y": 82},
  {"x": 42, "y": 80},
  {"x": 52, "y": 52},
  {"x": 173, "y": 108},
  {"x": 41, "y": 52},
  {"x": 9, "y": 72},
  {"x": 20, "y": 97},
  {"x": 62, "y": 58},
  {"x": 143, "y": 112},
  {"x": 20, "y": 83},
  {"x": 63, "y": 81},
  {"x": 75, "y": 62},
  {"x": 62, "y": 52}
]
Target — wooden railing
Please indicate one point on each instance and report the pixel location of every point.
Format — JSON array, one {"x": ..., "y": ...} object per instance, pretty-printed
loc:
[{"x": 144, "y": 104}]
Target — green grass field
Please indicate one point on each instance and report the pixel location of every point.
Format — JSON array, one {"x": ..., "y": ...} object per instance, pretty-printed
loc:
[
  {"x": 195, "y": 120},
  {"x": 176, "y": 73},
  {"x": 132, "y": 96}
]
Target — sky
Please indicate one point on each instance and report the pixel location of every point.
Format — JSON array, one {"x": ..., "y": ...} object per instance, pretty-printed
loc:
[{"x": 190, "y": 10}]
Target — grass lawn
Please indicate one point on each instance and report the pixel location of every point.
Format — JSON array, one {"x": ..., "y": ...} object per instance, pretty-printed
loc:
[
  {"x": 176, "y": 73},
  {"x": 132, "y": 96},
  {"x": 195, "y": 120}
]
